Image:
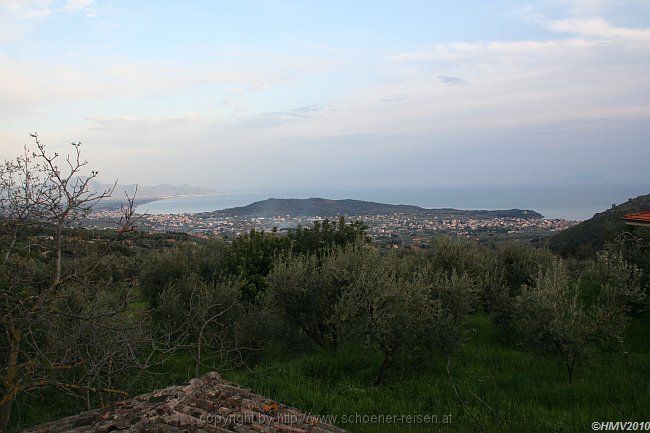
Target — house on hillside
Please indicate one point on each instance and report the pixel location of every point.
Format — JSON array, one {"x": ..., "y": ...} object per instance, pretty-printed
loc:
[
  {"x": 208, "y": 404},
  {"x": 638, "y": 219}
]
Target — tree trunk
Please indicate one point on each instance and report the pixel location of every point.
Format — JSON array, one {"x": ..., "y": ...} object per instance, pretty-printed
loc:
[
  {"x": 5, "y": 414},
  {"x": 335, "y": 340},
  {"x": 316, "y": 337},
  {"x": 197, "y": 359},
  {"x": 11, "y": 245},
  {"x": 10, "y": 379},
  {"x": 59, "y": 247},
  {"x": 382, "y": 369},
  {"x": 570, "y": 367},
  {"x": 87, "y": 399}
]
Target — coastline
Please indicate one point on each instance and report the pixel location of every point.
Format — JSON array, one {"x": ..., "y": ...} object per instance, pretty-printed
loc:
[{"x": 564, "y": 202}]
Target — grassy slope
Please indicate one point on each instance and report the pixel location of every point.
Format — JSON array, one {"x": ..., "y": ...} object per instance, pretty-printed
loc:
[{"x": 524, "y": 391}]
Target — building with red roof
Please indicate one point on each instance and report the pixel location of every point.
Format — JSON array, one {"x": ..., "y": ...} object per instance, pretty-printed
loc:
[{"x": 638, "y": 219}]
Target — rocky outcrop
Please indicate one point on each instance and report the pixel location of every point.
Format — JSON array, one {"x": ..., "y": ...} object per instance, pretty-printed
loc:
[{"x": 207, "y": 405}]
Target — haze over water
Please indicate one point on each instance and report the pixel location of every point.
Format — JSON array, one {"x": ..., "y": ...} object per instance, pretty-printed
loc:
[{"x": 568, "y": 202}]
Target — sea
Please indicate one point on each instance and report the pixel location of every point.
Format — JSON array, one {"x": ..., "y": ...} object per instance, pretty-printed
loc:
[{"x": 572, "y": 202}]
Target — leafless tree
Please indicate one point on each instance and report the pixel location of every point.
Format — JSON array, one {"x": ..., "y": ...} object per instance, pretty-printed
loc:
[
  {"x": 62, "y": 324},
  {"x": 67, "y": 195}
]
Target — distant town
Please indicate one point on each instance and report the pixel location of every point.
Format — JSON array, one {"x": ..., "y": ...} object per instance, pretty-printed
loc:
[{"x": 393, "y": 230}]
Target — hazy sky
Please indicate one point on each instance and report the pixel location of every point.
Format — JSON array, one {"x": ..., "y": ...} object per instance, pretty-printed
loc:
[{"x": 239, "y": 95}]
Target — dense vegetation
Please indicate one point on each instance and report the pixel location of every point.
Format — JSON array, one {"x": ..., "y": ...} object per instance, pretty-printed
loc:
[
  {"x": 584, "y": 239},
  {"x": 502, "y": 337}
]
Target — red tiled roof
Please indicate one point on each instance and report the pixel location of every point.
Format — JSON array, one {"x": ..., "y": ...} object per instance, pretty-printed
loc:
[
  {"x": 205, "y": 405},
  {"x": 642, "y": 217}
]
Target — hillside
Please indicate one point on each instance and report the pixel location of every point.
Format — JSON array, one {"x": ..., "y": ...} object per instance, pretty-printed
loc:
[
  {"x": 592, "y": 234},
  {"x": 330, "y": 208}
]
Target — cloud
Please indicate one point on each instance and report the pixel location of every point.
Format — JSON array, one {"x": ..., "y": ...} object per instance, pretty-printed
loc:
[
  {"x": 244, "y": 124},
  {"x": 76, "y": 5},
  {"x": 25, "y": 82},
  {"x": 597, "y": 27},
  {"x": 29, "y": 9},
  {"x": 452, "y": 81},
  {"x": 394, "y": 98},
  {"x": 498, "y": 51},
  {"x": 590, "y": 70},
  {"x": 304, "y": 111},
  {"x": 19, "y": 16},
  {"x": 593, "y": 7}
]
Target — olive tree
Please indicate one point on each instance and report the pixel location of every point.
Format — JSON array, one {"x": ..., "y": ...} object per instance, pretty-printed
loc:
[
  {"x": 302, "y": 294},
  {"x": 458, "y": 296},
  {"x": 515, "y": 265},
  {"x": 620, "y": 291},
  {"x": 554, "y": 316},
  {"x": 405, "y": 313},
  {"x": 462, "y": 256},
  {"x": 389, "y": 312},
  {"x": 204, "y": 319},
  {"x": 550, "y": 317},
  {"x": 304, "y": 289}
]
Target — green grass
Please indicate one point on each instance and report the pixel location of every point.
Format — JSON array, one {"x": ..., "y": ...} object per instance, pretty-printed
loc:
[{"x": 521, "y": 391}]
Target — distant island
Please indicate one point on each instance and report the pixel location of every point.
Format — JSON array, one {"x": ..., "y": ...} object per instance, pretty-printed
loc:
[{"x": 331, "y": 208}]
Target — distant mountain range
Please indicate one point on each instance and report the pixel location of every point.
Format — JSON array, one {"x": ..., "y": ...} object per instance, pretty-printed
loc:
[
  {"x": 332, "y": 208},
  {"x": 148, "y": 193},
  {"x": 144, "y": 194},
  {"x": 591, "y": 235}
]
